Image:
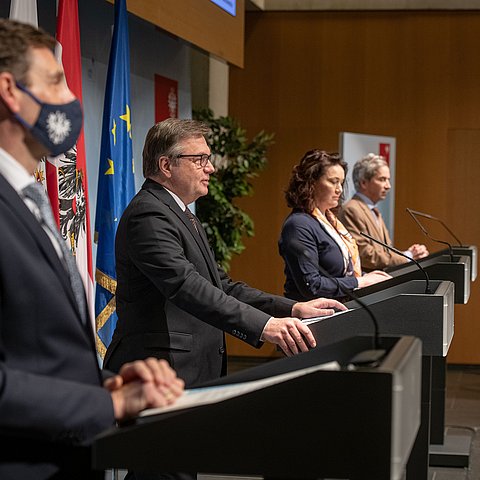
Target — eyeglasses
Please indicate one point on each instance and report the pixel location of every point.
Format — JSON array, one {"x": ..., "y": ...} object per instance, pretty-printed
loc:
[{"x": 199, "y": 160}]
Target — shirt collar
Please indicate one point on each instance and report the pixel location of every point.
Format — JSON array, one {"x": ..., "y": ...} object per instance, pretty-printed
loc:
[
  {"x": 176, "y": 198},
  {"x": 15, "y": 173},
  {"x": 366, "y": 200}
]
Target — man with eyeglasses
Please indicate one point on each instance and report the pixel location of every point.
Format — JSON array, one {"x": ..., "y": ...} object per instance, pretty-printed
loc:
[{"x": 173, "y": 301}]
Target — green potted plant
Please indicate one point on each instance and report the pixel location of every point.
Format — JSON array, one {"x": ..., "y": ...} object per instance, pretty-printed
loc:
[{"x": 236, "y": 162}]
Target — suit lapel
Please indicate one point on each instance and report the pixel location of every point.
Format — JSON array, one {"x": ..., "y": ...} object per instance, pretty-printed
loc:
[
  {"x": 44, "y": 243},
  {"x": 200, "y": 237},
  {"x": 207, "y": 251},
  {"x": 372, "y": 224},
  {"x": 378, "y": 228}
]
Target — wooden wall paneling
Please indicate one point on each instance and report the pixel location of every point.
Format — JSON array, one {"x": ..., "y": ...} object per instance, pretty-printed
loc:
[
  {"x": 412, "y": 75},
  {"x": 463, "y": 201},
  {"x": 464, "y": 72}
]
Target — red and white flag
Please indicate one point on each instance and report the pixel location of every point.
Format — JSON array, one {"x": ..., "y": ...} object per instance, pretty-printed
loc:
[{"x": 67, "y": 173}]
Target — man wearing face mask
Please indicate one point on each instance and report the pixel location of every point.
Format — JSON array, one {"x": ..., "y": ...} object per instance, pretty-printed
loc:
[{"x": 53, "y": 400}]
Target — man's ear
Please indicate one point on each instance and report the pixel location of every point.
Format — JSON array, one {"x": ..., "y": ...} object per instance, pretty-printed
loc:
[
  {"x": 9, "y": 93},
  {"x": 165, "y": 166}
]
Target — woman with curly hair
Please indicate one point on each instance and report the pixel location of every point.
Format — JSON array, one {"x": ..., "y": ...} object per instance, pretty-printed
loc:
[{"x": 312, "y": 237}]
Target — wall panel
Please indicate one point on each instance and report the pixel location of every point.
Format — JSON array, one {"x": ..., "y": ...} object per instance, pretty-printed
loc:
[{"x": 412, "y": 75}]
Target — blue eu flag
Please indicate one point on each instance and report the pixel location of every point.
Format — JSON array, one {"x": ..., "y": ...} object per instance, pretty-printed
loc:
[{"x": 115, "y": 179}]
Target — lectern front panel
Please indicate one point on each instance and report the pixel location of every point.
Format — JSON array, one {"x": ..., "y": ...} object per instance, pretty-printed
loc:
[
  {"x": 437, "y": 267},
  {"x": 353, "y": 423},
  {"x": 429, "y": 317},
  {"x": 466, "y": 250}
]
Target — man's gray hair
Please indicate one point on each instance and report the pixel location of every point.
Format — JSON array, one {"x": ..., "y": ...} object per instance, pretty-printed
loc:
[
  {"x": 366, "y": 168},
  {"x": 164, "y": 139}
]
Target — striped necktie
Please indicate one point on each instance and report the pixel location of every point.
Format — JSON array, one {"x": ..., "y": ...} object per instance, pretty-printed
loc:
[
  {"x": 192, "y": 218},
  {"x": 36, "y": 193},
  {"x": 380, "y": 224},
  {"x": 377, "y": 215}
]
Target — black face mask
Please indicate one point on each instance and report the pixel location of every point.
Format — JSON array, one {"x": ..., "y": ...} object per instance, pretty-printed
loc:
[{"x": 58, "y": 125}]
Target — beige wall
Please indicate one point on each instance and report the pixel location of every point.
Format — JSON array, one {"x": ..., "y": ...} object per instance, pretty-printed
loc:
[{"x": 412, "y": 75}]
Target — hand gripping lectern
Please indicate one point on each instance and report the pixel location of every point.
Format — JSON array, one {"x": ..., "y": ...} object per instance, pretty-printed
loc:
[
  {"x": 405, "y": 309},
  {"x": 357, "y": 424}
]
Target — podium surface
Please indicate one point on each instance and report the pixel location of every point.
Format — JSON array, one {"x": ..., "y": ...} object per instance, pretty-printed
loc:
[
  {"x": 466, "y": 250},
  {"x": 352, "y": 423},
  {"x": 438, "y": 267},
  {"x": 402, "y": 309}
]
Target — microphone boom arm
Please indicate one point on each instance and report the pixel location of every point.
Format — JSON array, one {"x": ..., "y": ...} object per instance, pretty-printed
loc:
[
  {"x": 414, "y": 213},
  {"x": 398, "y": 252}
]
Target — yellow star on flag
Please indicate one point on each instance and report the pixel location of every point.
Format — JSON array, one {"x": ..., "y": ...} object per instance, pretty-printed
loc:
[
  {"x": 126, "y": 118},
  {"x": 111, "y": 170},
  {"x": 114, "y": 132}
]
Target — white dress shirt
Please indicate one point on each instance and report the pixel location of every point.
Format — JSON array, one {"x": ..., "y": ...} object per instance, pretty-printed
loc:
[{"x": 18, "y": 177}]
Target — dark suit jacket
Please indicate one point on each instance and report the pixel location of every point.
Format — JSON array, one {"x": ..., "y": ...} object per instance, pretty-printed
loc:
[
  {"x": 50, "y": 393},
  {"x": 356, "y": 217},
  {"x": 304, "y": 245},
  {"x": 173, "y": 301}
]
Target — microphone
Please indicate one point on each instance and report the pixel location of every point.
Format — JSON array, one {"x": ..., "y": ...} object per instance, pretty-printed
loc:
[
  {"x": 414, "y": 213},
  {"x": 398, "y": 252},
  {"x": 368, "y": 357}
]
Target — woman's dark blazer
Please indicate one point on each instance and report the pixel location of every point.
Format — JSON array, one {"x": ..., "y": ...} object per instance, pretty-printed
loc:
[{"x": 304, "y": 245}]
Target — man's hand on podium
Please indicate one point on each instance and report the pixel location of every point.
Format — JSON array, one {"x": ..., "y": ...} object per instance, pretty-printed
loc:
[
  {"x": 418, "y": 251},
  {"x": 290, "y": 334},
  {"x": 317, "y": 308}
]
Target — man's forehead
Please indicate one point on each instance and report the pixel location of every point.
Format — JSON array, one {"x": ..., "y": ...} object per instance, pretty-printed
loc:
[
  {"x": 190, "y": 142},
  {"x": 383, "y": 171},
  {"x": 43, "y": 62}
]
